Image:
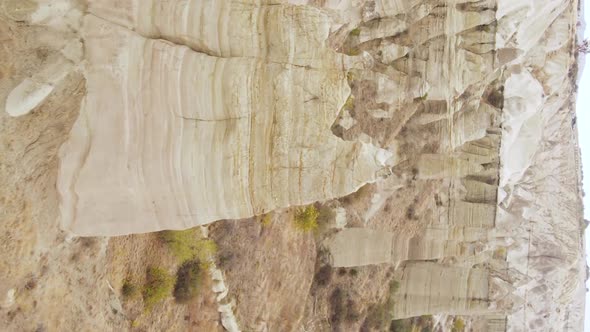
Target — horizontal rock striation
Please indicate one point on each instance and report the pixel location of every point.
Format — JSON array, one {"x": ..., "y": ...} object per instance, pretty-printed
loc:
[
  {"x": 461, "y": 114},
  {"x": 479, "y": 102},
  {"x": 170, "y": 138}
]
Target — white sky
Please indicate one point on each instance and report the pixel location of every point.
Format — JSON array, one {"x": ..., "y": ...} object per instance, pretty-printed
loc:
[{"x": 583, "y": 121}]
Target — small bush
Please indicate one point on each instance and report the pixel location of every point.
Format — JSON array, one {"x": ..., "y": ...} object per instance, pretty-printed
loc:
[
  {"x": 337, "y": 306},
  {"x": 350, "y": 77},
  {"x": 266, "y": 220},
  {"x": 224, "y": 260},
  {"x": 378, "y": 317},
  {"x": 349, "y": 104},
  {"x": 129, "y": 290},
  {"x": 181, "y": 243},
  {"x": 381, "y": 315},
  {"x": 189, "y": 245},
  {"x": 401, "y": 325},
  {"x": 306, "y": 219},
  {"x": 158, "y": 286},
  {"x": 352, "y": 315},
  {"x": 393, "y": 287},
  {"x": 323, "y": 276},
  {"x": 458, "y": 325},
  {"x": 205, "y": 249},
  {"x": 500, "y": 253},
  {"x": 188, "y": 282}
]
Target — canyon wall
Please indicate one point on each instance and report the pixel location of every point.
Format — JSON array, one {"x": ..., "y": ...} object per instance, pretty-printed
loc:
[
  {"x": 458, "y": 114},
  {"x": 226, "y": 125},
  {"x": 504, "y": 215}
]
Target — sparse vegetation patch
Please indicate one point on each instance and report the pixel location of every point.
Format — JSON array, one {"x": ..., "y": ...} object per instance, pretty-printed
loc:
[
  {"x": 266, "y": 220},
  {"x": 158, "y": 286},
  {"x": 129, "y": 290},
  {"x": 381, "y": 315},
  {"x": 342, "y": 307},
  {"x": 188, "y": 282},
  {"x": 189, "y": 245},
  {"x": 323, "y": 276},
  {"x": 306, "y": 219},
  {"x": 458, "y": 325}
]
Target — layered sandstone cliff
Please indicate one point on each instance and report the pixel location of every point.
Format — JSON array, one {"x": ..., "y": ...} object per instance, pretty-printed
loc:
[
  {"x": 228, "y": 125},
  {"x": 461, "y": 114}
]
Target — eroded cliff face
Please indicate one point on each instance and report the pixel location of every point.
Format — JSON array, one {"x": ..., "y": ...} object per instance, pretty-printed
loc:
[
  {"x": 256, "y": 104},
  {"x": 459, "y": 113},
  {"x": 500, "y": 164}
]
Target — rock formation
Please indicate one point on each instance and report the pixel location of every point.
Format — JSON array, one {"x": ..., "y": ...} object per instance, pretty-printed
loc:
[
  {"x": 504, "y": 208},
  {"x": 460, "y": 114},
  {"x": 166, "y": 130}
]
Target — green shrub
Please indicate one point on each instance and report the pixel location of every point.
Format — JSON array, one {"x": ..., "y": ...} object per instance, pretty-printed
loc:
[
  {"x": 205, "y": 249},
  {"x": 188, "y": 282},
  {"x": 158, "y": 286},
  {"x": 129, "y": 290},
  {"x": 266, "y": 220},
  {"x": 349, "y": 104},
  {"x": 189, "y": 245},
  {"x": 393, "y": 287},
  {"x": 306, "y": 219},
  {"x": 458, "y": 325},
  {"x": 500, "y": 253}
]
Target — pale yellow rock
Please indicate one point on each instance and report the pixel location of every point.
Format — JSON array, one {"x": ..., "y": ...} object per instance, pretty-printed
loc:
[
  {"x": 431, "y": 287},
  {"x": 170, "y": 138},
  {"x": 203, "y": 110},
  {"x": 265, "y": 29},
  {"x": 360, "y": 246}
]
